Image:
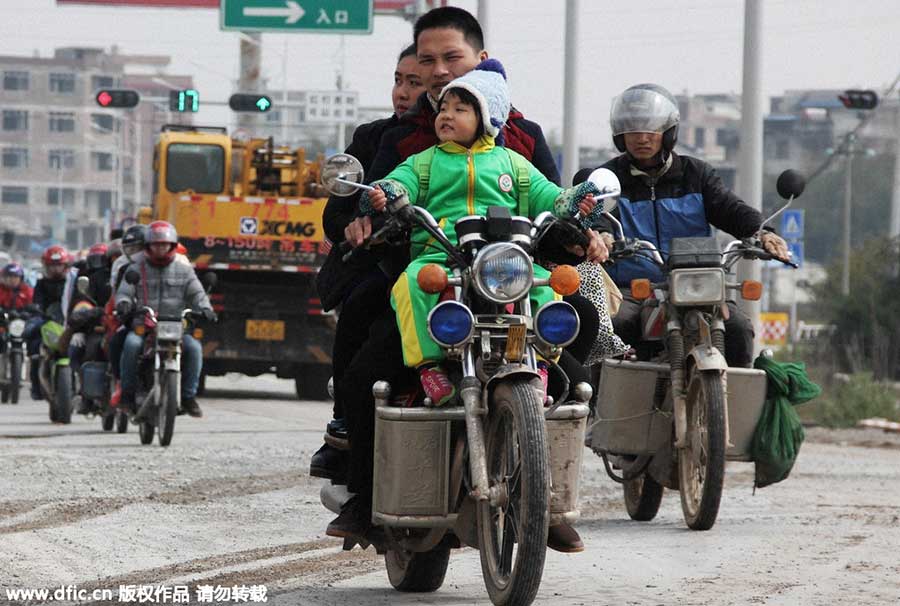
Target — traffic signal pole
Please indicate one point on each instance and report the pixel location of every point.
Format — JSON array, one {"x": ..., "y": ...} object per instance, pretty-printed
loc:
[
  {"x": 848, "y": 200},
  {"x": 250, "y": 69}
]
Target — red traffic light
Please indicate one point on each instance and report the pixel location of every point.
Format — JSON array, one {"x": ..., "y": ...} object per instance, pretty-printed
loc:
[
  {"x": 117, "y": 97},
  {"x": 859, "y": 99}
]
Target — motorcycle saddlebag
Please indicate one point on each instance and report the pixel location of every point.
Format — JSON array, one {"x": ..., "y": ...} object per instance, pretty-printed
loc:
[{"x": 94, "y": 381}]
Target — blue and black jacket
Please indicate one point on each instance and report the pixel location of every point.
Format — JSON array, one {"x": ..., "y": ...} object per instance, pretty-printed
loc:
[{"x": 681, "y": 203}]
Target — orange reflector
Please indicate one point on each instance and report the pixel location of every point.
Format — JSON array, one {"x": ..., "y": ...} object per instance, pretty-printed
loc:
[
  {"x": 198, "y": 333},
  {"x": 565, "y": 280},
  {"x": 751, "y": 290},
  {"x": 640, "y": 289},
  {"x": 139, "y": 330},
  {"x": 432, "y": 278}
]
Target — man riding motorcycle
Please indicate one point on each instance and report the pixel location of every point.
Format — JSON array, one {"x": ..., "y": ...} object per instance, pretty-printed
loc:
[
  {"x": 168, "y": 287},
  {"x": 666, "y": 195},
  {"x": 48, "y": 291}
]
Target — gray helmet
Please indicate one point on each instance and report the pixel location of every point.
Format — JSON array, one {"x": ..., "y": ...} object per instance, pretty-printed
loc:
[
  {"x": 133, "y": 239},
  {"x": 645, "y": 108}
]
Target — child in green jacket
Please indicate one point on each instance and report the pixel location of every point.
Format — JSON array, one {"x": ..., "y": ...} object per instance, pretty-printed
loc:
[{"x": 469, "y": 173}]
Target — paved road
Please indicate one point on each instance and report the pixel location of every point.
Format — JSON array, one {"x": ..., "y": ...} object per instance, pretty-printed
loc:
[{"x": 229, "y": 504}]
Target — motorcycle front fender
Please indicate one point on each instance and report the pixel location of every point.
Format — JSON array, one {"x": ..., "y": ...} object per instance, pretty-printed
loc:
[
  {"x": 510, "y": 370},
  {"x": 707, "y": 358}
]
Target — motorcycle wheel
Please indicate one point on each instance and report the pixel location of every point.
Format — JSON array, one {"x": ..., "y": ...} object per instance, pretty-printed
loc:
[
  {"x": 15, "y": 375},
  {"x": 417, "y": 572},
  {"x": 643, "y": 496},
  {"x": 512, "y": 535},
  {"x": 121, "y": 421},
  {"x": 168, "y": 406},
  {"x": 701, "y": 464},
  {"x": 108, "y": 420},
  {"x": 63, "y": 397},
  {"x": 146, "y": 432}
]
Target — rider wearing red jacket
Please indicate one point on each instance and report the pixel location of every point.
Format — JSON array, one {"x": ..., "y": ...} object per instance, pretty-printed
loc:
[{"x": 14, "y": 292}]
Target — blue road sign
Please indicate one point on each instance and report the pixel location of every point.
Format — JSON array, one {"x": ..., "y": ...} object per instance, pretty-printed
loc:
[{"x": 792, "y": 224}]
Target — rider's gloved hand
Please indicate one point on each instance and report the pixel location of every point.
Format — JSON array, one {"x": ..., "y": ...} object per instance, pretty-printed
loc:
[
  {"x": 573, "y": 202},
  {"x": 123, "y": 308},
  {"x": 209, "y": 315},
  {"x": 373, "y": 202}
]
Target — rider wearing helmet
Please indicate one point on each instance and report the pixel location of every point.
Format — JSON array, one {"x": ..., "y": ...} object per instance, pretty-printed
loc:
[
  {"x": 666, "y": 195},
  {"x": 14, "y": 292},
  {"x": 168, "y": 288},
  {"x": 47, "y": 292}
]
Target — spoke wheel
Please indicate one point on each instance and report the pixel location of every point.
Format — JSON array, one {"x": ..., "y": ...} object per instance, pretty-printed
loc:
[
  {"x": 643, "y": 496},
  {"x": 701, "y": 464},
  {"x": 513, "y": 532},
  {"x": 168, "y": 406}
]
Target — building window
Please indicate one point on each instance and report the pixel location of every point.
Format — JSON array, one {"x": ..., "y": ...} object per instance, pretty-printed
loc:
[
  {"x": 62, "y": 122},
  {"x": 301, "y": 116},
  {"x": 14, "y": 80},
  {"x": 338, "y": 100},
  {"x": 100, "y": 198},
  {"x": 349, "y": 112},
  {"x": 62, "y": 83},
  {"x": 102, "y": 82},
  {"x": 326, "y": 112},
  {"x": 312, "y": 111},
  {"x": 326, "y": 100},
  {"x": 273, "y": 117},
  {"x": 782, "y": 149},
  {"x": 15, "y": 195},
  {"x": 699, "y": 137},
  {"x": 337, "y": 113},
  {"x": 62, "y": 158},
  {"x": 314, "y": 99},
  {"x": 102, "y": 161},
  {"x": 15, "y": 157},
  {"x": 65, "y": 194},
  {"x": 15, "y": 119},
  {"x": 103, "y": 122},
  {"x": 351, "y": 101}
]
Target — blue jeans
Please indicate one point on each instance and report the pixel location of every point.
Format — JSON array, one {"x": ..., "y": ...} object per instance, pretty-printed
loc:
[{"x": 191, "y": 364}]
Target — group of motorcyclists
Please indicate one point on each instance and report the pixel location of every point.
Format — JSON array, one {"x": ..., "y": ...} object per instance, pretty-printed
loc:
[
  {"x": 664, "y": 195},
  {"x": 99, "y": 316}
]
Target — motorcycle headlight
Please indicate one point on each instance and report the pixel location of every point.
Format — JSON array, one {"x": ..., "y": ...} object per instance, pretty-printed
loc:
[
  {"x": 557, "y": 323},
  {"x": 450, "y": 323},
  {"x": 698, "y": 286},
  {"x": 169, "y": 331},
  {"x": 17, "y": 328},
  {"x": 503, "y": 273}
]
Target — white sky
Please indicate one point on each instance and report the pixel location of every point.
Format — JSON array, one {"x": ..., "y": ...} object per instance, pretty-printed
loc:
[{"x": 685, "y": 45}]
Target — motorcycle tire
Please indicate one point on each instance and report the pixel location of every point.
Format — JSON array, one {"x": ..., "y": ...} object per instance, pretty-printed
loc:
[
  {"x": 702, "y": 473},
  {"x": 62, "y": 400},
  {"x": 417, "y": 572},
  {"x": 643, "y": 496},
  {"x": 121, "y": 421},
  {"x": 517, "y": 463},
  {"x": 168, "y": 406},
  {"x": 146, "y": 431},
  {"x": 15, "y": 376},
  {"x": 108, "y": 420}
]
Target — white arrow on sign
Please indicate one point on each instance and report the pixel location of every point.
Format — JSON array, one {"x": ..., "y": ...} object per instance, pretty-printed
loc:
[{"x": 292, "y": 12}]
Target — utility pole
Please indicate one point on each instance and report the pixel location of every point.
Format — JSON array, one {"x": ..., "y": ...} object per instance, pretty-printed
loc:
[
  {"x": 250, "y": 69},
  {"x": 570, "y": 93},
  {"x": 895, "y": 196},
  {"x": 750, "y": 171},
  {"x": 850, "y": 150}
]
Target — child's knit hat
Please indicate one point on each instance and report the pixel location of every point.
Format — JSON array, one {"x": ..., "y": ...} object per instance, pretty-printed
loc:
[{"x": 487, "y": 82}]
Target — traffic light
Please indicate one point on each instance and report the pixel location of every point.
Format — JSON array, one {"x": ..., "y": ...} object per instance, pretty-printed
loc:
[
  {"x": 859, "y": 99},
  {"x": 117, "y": 97},
  {"x": 187, "y": 100},
  {"x": 249, "y": 102}
]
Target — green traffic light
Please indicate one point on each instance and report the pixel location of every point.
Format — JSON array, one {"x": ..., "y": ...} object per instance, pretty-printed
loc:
[{"x": 263, "y": 103}]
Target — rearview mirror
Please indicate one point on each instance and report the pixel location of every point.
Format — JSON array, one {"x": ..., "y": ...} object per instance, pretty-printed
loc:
[
  {"x": 608, "y": 183},
  {"x": 790, "y": 184},
  {"x": 132, "y": 277},
  {"x": 82, "y": 284},
  {"x": 338, "y": 168},
  {"x": 209, "y": 280}
]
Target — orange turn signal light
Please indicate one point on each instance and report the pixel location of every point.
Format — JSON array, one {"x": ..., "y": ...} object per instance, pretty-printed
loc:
[
  {"x": 198, "y": 333},
  {"x": 640, "y": 289},
  {"x": 432, "y": 278},
  {"x": 751, "y": 290},
  {"x": 565, "y": 280},
  {"x": 139, "y": 330}
]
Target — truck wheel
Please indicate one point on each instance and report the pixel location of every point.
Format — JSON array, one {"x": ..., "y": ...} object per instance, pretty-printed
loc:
[{"x": 311, "y": 382}]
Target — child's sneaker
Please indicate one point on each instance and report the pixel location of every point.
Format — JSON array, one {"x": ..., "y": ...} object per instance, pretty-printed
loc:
[
  {"x": 437, "y": 385},
  {"x": 116, "y": 395},
  {"x": 544, "y": 372}
]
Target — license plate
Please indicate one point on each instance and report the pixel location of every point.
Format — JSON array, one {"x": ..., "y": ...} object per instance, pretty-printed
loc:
[{"x": 265, "y": 330}]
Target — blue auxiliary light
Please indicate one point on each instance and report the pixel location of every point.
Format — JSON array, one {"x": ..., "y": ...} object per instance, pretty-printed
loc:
[
  {"x": 450, "y": 323},
  {"x": 557, "y": 323}
]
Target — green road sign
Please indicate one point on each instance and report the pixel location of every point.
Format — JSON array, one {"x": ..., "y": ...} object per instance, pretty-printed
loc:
[{"x": 302, "y": 16}]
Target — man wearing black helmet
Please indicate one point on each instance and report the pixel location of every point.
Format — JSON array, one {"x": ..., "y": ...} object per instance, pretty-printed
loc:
[{"x": 665, "y": 196}]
